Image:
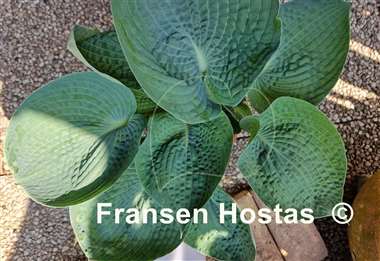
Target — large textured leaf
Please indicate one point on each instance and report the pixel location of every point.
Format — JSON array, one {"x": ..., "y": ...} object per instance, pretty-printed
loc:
[
  {"x": 72, "y": 138},
  {"x": 228, "y": 241},
  {"x": 312, "y": 51},
  {"x": 102, "y": 52},
  {"x": 123, "y": 242},
  {"x": 297, "y": 158},
  {"x": 181, "y": 164},
  {"x": 191, "y": 55}
]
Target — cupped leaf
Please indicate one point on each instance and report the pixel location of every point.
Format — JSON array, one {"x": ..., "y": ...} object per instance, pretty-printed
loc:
[
  {"x": 109, "y": 241},
  {"x": 181, "y": 164},
  {"x": 72, "y": 138},
  {"x": 229, "y": 241},
  {"x": 101, "y": 52},
  {"x": 314, "y": 44},
  {"x": 297, "y": 159},
  {"x": 190, "y": 56}
]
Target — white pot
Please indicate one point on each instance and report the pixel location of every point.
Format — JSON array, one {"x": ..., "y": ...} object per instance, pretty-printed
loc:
[{"x": 183, "y": 253}]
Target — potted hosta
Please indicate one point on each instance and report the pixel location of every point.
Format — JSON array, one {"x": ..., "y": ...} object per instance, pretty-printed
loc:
[{"x": 152, "y": 125}]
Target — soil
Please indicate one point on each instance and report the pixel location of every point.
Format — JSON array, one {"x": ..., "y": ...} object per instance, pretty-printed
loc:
[{"x": 33, "y": 35}]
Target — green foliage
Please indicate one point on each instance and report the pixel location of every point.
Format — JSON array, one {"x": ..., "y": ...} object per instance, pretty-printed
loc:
[
  {"x": 297, "y": 158},
  {"x": 101, "y": 52},
  {"x": 236, "y": 114},
  {"x": 180, "y": 164},
  {"x": 123, "y": 242},
  {"x": 313, "y": 48},
  {"x": 192, "y": 70},
  {"x": 251, "y": 124},
  {"x": 191, "y": 56},
  {"x": 226, "y": 241},
  {"x": 72, "y": 138}
]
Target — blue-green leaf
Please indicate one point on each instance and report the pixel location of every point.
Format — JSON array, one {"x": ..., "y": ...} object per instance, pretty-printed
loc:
[
  {"x": 314, "y": 43},
  {"x": 101, "y": 52},
  {"x": 192, "y": 55},
  {"x": 179, "y": 164},
  {"x": 72, "y": 138},
  {"x": 228, "y": 241},
  {"x": 109, "y": 241},
  {"x": 297, "y": 158}
]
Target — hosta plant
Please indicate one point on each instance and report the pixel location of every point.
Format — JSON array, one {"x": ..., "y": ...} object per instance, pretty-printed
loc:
[{"x": 152, "y": 124}]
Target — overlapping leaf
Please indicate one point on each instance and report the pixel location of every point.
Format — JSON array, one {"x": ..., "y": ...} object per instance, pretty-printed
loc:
[
  {"x": 190, "y": 56},
  {"x": 313, "y": 48},
  {"x": 235, "y": 114},
  {"x": 123, "y": 242},
  {"x": 180, "y": 165},
  {"x": 102, "y": 52},
  {"x": 228, "y": 241},
  {"x": 297, "y": 159},
  {"x": 72, "y": 138}
]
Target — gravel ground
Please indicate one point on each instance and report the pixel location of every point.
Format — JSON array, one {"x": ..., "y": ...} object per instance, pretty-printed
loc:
[{"x": 33, "y": 36}]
